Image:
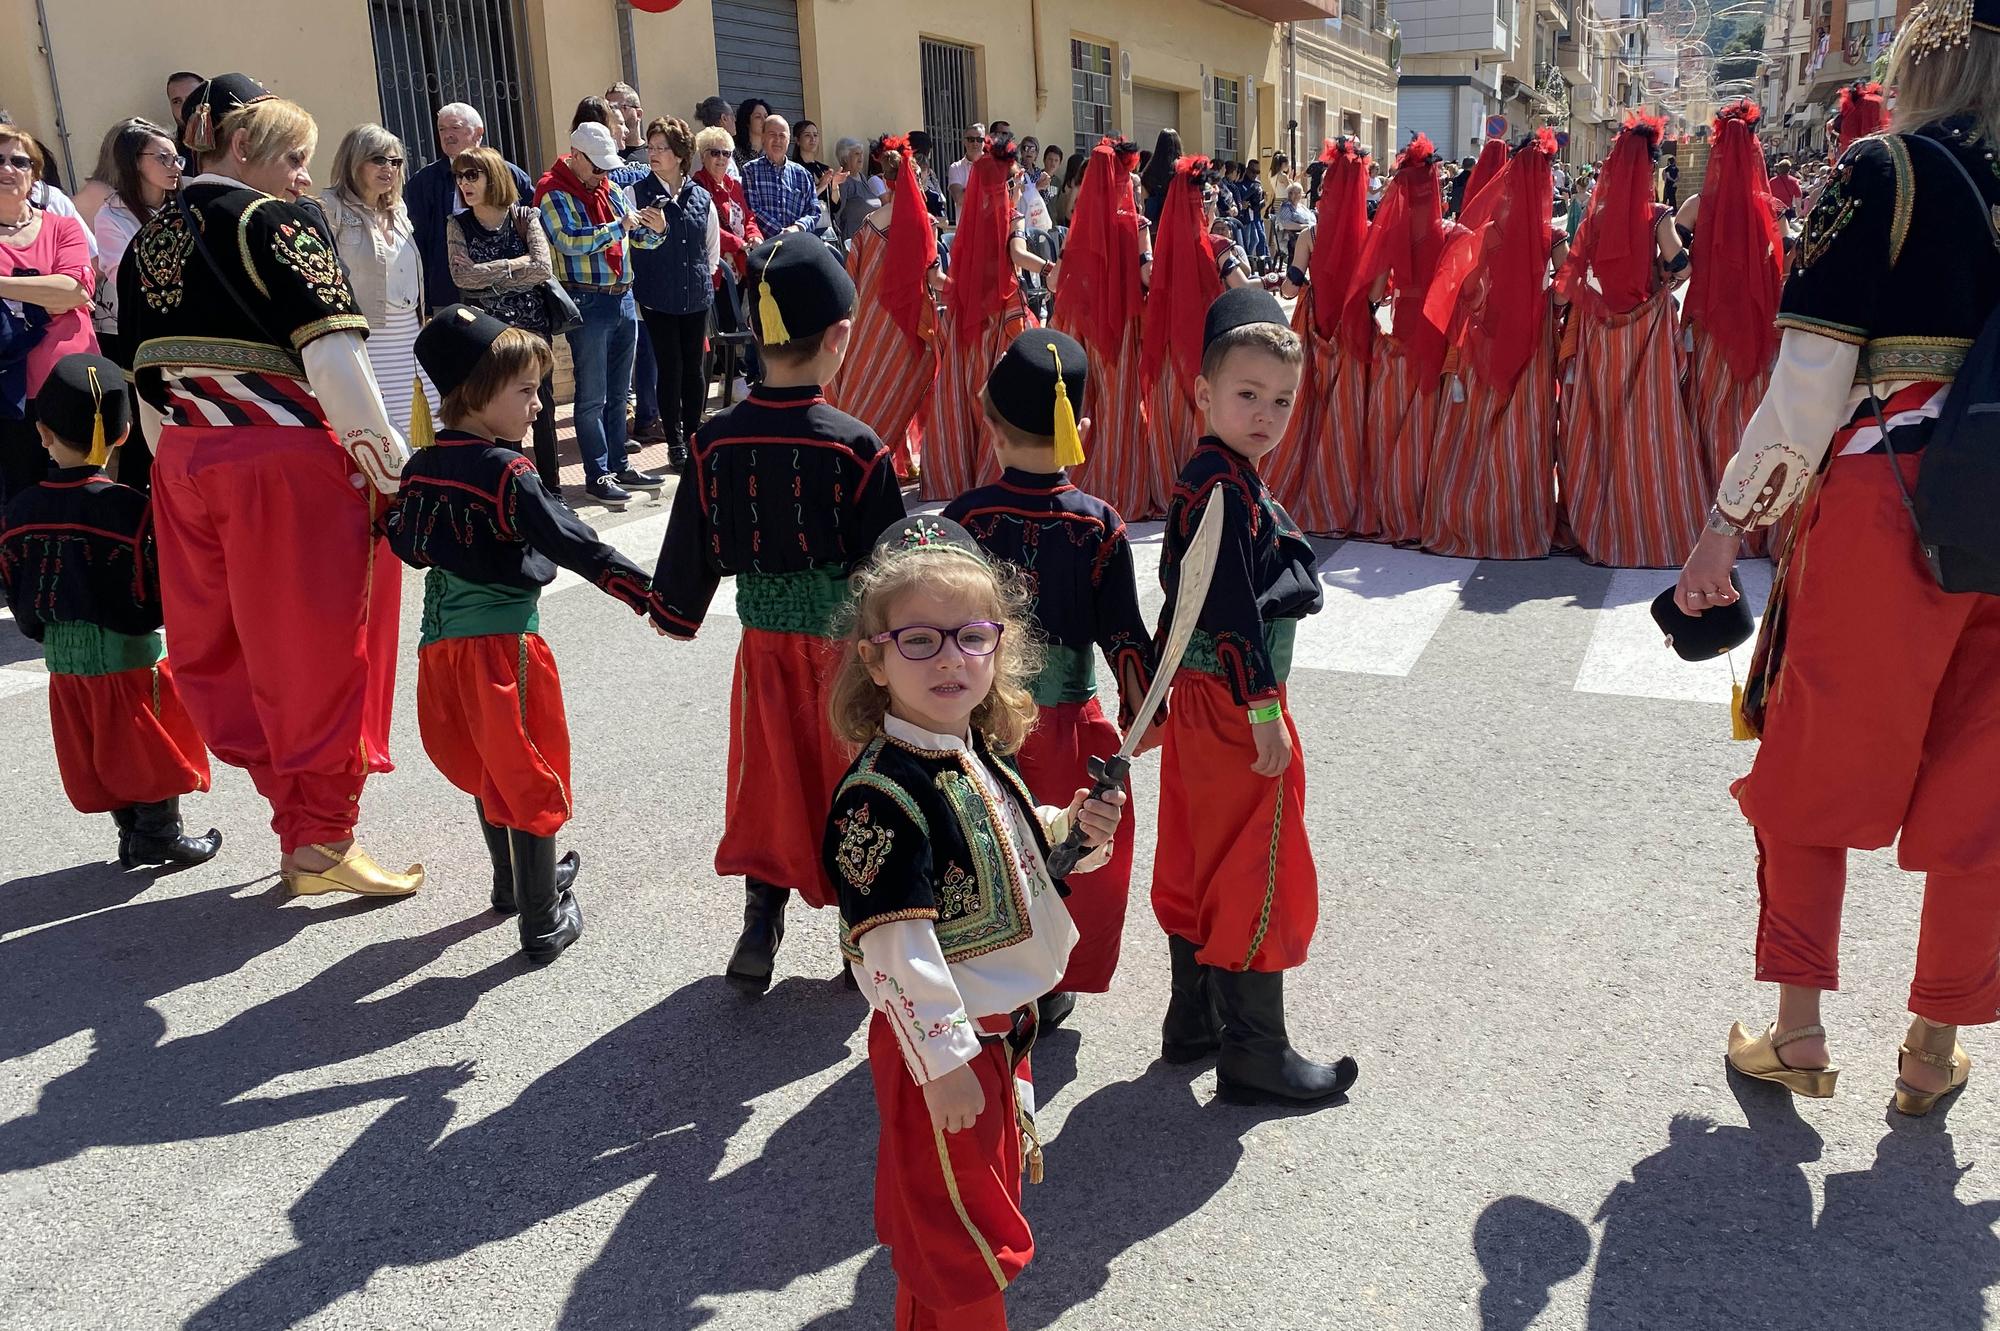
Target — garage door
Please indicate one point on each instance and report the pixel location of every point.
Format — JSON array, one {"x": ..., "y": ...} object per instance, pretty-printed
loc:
[
  {"x": 1427, "y": 111},
  {"x": 757, "y": 53},
  {"x": 1153, "y": 109}
]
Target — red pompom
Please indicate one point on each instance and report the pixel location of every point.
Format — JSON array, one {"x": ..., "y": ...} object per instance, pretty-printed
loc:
[
  {"x": 1419, "y": 153},
  {"x": 1194, "y": 168},
  {"x": 1745, "y": 110}
]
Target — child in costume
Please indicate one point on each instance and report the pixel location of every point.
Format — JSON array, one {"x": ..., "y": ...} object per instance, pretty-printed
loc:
[
  {"x": 788, "y": 494},
  {"x": 1070, "y": 547},
  {"x": 949, "y": 918},
  {"x": 78, "y": 568},
  {"x": 475, "y": 515},
  {"x": 1233, "y": 879}
]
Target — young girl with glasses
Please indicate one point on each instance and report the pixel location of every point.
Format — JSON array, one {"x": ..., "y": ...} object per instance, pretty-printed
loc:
[{"x": 949, "y": 918}]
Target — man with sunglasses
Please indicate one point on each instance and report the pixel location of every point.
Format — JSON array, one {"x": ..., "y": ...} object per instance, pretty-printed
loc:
[
  {"x": 960, "y": 173},
  {"x": 431, "y": 195}
]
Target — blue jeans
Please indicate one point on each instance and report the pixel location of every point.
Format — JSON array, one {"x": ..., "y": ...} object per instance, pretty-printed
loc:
[
  {"x": 602, "y": 352},
  {"x": 645, "y": 378}
]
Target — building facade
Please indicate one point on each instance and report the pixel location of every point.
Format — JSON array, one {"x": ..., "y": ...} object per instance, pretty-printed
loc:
[
  {"x": 1344, "y": 73},
  {"x": 1813, "y": 48}
]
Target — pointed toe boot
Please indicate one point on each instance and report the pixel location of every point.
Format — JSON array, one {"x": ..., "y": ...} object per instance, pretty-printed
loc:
[
  {"x": 1257, "y": 1064},
  {"x": 156, "y": 837},
  {"x": 550, "y": 918},
  {"x": 756, "y": 956}
]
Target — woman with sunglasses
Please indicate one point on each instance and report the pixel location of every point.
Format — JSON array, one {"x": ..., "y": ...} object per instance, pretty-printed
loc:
[
  {"x": 740, "y": 234},
  {"x": 144, "y": 170},
  {"x": 378, "y": 247}
]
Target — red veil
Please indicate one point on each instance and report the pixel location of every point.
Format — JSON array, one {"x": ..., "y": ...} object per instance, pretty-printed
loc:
[
  {"x": 1492, "y": 160},
  {"x": 1862, "y": 112},
  {"x": 912, "y": 248},
  {"x": 1406, "y": 242},
  {"x": 1185, "y": 281},
  {"x": 1491, "y": 292},
  {"x": 982, "y": 271},
  {"x": 1099, "y": 295},
  {"x": 1738, "y": 256},
  {"x": 1610, "y": 267},
  {"x": 1340, "y": 233}
]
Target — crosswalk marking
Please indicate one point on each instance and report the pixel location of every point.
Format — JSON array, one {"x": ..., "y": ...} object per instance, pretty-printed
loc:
[
  {"x": 1626, "y": 656},
  {"x": 1383, "y": 605}
]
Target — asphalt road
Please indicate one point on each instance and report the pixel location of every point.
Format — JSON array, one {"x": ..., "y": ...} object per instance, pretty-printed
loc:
[{"x": 223, "y": 1109}]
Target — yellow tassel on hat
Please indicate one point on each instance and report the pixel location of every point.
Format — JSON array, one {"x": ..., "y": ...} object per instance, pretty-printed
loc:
[
  {"x": 769, "y": 317},
  {"x": 100, "y": 452},
  {"x": 422, "y": 432},
  {"x": 1069, "y": 442},
  {"x": 1739, "y": 724}
]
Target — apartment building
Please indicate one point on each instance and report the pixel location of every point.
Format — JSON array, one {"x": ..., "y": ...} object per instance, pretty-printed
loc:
[
  {"x": 1344, "y": 74},
  {"x": 1812, "y": 48}
]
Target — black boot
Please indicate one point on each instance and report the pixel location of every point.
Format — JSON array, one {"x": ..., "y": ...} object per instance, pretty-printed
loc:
[
  {"x": 550, "y": 918},
  {"x": 756, "y": 954},
  {"x": 156, "y": 837},
  {"x": 503, "y": 866},
  {"x": 123, "y": 817},
  {"x": 1257, "y": 1064},
  {"x": 1192, "y": 1029},
  {"x": 678, "y": 453},
  {"x": 1052, "y": 1010}
]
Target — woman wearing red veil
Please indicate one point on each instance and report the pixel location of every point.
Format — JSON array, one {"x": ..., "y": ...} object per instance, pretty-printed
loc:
[
  {"x": 1492, "y": 161},
  {"x": 892, "y": 360},
  {"x": 1185, "y": 281},
  {"x": 1098, "y": 304},
  {"x": 1318, "y": 473},
  {"x": 1862, "y": 111},
  {"x": 1400, "y": 261},
  {"x": 983, "y": 310},
  {"x": 1492, "y": 483},
  {"x": 1633, "y": 475}
]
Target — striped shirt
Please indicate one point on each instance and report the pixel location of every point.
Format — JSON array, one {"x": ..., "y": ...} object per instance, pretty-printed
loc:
[
  {"x": 782, "y": 195},
  {"x": 587, "y": 254}
]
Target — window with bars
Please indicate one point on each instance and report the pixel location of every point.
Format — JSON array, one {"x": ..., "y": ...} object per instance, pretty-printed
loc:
[
  {"x": 1090, "y": 91},
  {"x": 949, "y": 71},
  {"x": 432, "y": 52},
  {"x": 1228, "y": 118}
]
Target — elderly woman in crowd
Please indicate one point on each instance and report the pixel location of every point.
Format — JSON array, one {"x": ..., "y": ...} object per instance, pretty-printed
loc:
[
  {"x": 854, "y": 200},
  {"x": 371, "y": 228}
]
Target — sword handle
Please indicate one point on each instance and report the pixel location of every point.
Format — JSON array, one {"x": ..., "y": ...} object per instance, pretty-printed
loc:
[{"x": 1107, "y": 775}]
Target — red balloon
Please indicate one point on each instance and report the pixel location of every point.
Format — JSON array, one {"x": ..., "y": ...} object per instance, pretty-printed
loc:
[{"x": 655, "y": 6}]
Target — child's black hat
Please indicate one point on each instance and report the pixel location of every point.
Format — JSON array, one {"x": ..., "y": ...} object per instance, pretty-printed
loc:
[
  {"x": 453, "y": 343},
  {"x": 1240, "y": 307},
  {"x": 84, "y": 404},
  {"x": 799, "y": 289},
  {"x": 1037, "y": 385},
  {"x": 1708, "y": 635}
]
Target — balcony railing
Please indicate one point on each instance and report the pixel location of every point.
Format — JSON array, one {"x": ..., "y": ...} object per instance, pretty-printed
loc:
[{"x": 1354, "y": 34}]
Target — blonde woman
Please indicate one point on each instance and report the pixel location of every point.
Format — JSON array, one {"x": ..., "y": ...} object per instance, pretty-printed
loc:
[{"x": 371, "y": 229}]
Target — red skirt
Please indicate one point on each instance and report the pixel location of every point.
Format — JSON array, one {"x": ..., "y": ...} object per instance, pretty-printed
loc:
[
  {"x": 1232, "y": 866},
  {"x": 1492, "y": 491},
  {"x": 1119, "y": 467},
  {"x": 1719, "y": 406},
  {"x": 948, "y": 1204},
  {"x": 886, "y": 378},
  {"x": 1172, "y": 428},
  {"x": 490, "y": 710},
  {"x": 1319, "y": 472},
  {"x": 1634, "y": 480},
  {"x": 1399, "y": 436},
  {"x": 958, "y": 447},
  {"x": 124, "y": 739},
  {"x": 1055, "y": 764},
  {"x": 784, "y": 763}
]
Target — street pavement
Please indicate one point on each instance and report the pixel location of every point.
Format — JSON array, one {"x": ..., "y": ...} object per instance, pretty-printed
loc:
[{"x": 220, "y": 1108}]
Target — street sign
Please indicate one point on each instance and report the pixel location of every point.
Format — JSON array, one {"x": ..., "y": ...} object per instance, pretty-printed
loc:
[{"x": 1496, "y": 127}]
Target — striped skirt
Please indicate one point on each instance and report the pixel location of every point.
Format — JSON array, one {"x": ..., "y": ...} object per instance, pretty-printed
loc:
[
  {"x": 1492, "y": 492},
  {"x": 1719, "y": 406},
  {"x": 1118, "y": 470},
  {"x": 1173, "y": 427},
  {"x": 1319, "y": 472},
  {"x": 958, "y": 452},
  {"x": 392, "y": 355},
  {"x": 886, "y": 377},
  {"x": 1398, "y": 442},
  {"x": 1633, "y": 478}
]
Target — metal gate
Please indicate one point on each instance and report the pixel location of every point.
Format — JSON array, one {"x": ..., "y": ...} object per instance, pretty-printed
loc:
[
  {"x": 1153, "y": 109},
  {"x": 948, "y": 72},
  {"x": 757, "y": 54},
  {"x": 431, "y": 52},
  {"x": 1431, "y": 112}
]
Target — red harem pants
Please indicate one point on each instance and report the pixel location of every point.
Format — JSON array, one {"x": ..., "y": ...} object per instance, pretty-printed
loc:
[
  {"x": 124, "y": 739},
  {"x": 1055, "y": 762},
  {"x": 948, "y": 1204},
  {"x": 784, "y": 762},
  {"x": 1232, "y": 868},
  {"x": 490, "y": 710},
  {"x": 282, "y": 608},
  {"x": 1883, "y": 716}
]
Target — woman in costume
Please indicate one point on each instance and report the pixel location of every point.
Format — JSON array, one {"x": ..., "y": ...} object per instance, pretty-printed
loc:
[
  {"x": 1874, "y": 689},
  {"x": 1186, "y": 280},
  {"x": 1492, "y": 481},
  {"x": 276, "y": 458},
  {"x": 1633, "y": 476},
  {"x": 1492, "y": 161},
  {"x": 892, "y": 356}
]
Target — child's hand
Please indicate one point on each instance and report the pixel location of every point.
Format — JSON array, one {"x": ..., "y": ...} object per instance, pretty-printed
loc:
[
  {"x": 956, "y": 1100},
  {"x": 1274, "y": 747},
  {"x": 1098, "y": 819}
]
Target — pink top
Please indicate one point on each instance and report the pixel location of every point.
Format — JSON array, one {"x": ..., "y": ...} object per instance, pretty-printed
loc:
[{"x": 60, "y": 246}]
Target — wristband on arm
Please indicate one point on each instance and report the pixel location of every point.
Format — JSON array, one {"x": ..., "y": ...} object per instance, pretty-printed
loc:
[{"x": 1270, "y": 711}]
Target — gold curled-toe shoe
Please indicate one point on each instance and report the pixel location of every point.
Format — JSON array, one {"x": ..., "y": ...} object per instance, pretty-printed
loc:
[
  {"x": 1929, "y": 1044},
  {"x": 1757, "y": 1056},
  {"x": 355, "y": 872}
]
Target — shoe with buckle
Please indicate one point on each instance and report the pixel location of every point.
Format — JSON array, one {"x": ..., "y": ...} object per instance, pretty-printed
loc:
[
  {"x": 1938, "y": 1047},
  {"x": 1757, "y": 1056}
]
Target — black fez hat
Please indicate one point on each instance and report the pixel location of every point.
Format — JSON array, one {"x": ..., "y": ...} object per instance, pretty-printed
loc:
[
  {"x": 1037, "y": 387},
  {"x": 926, "y": 531},
  {"x": 1703, "y": 637},
  {"x": 1239, "y": 307},
  {"x": 209, "y": 103},
  {"x": 799, "y": 289},
  {"x": 453, "y": 343},
  {"x": 84, "y": 404}
]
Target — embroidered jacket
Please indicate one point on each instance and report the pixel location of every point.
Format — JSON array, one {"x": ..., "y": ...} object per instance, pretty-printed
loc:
[
  {"x": 1265, "y": 574},
  {"x": 784, "y": 488},
  {"x": 1072, "y": 549},
  {"x": 78, "y": 549}
]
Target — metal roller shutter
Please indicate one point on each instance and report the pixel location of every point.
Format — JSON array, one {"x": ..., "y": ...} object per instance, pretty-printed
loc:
[
  {"x": 1153, "y": 109},
  {"x": 1427, "y": 111},
  {"x": 757, "y": 53}
]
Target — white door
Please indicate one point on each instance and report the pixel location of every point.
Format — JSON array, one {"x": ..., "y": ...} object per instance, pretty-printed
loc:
[{"x": 1153, "y": 109}]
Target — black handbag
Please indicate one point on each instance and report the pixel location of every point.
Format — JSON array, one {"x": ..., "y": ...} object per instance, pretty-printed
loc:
[{"x": 558, "y": 306}]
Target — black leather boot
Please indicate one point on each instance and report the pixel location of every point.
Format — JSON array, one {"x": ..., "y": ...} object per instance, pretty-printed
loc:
[
  {"x": 123, "y": 817},
  {"x": 1257, "y": 1064},
  {"x": 503, "y": 865},
  {"x": 156, "y": 837},
  {"x": 756, "y": 954},
  {"x": 1053, "y": 1009},
  {"x": 550, "y": 919},
  {"x": 1192, "y": 1029}
]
